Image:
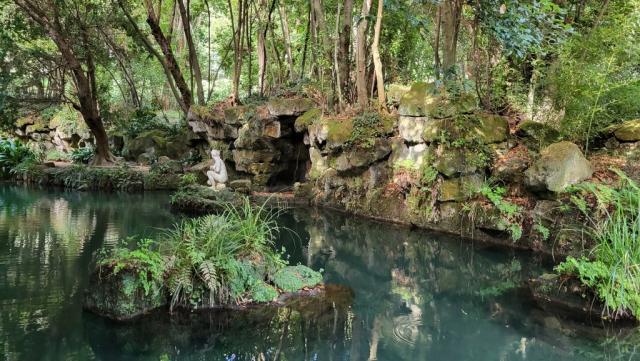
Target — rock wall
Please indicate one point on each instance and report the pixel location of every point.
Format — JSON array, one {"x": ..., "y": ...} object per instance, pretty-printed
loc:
[
  {"x": 437, "y": 162},
  {"x": 51, "y": 134}
]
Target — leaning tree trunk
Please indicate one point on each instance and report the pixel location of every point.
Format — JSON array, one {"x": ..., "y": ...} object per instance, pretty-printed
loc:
[
  {"x": 377, "y": 63},
  {"x": 193, "y": 55},
  {"x": 361, "y": 55}
]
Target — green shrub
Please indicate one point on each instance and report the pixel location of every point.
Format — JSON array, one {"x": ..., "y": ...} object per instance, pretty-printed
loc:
[
  {"x": 225, "y": 259},
  {"x": 82, "y": 155},
  {"x": 144, "y": 260},
  {"x": 56, "y": 154},
  {"x": 595, "y": 79},
  {"x": 612, "y": 269},
  {"x": 12, "y": 153}
]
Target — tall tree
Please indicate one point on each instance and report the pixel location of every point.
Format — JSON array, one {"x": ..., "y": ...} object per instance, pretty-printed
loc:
[
  {"x": 451, "y": 13},
  {"x": 361, "y": 55},
  {"x": 193, "y": 54},
  {"x": 375, "y": 50},
  {"x": 344, "y": 46},
  {"x": 153, "y": 19},
  {"x": 67, "y": 28}
]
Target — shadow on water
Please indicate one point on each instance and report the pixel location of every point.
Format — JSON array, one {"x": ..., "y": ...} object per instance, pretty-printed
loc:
[{"x": 413, "y": 295}]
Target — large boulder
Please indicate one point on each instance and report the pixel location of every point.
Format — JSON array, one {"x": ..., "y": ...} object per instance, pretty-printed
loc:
[
  {"x": 413, "y": 156},
  {"x": 559, "y": 166},
  {"x": 120, "y": 295},
  {"x": 157, "y": 142},
  {"x": 411, "y": 128},
  {"x": 414, "y": 102},
  {"x": 459, "y": 189},
  {"x": 454, "y": 161},
  {"x": 279, "y": 107},
  {"x": 629, "y": 131},
  {"x": 360, "y": 157},
  {"x": 491, "y": 128}
]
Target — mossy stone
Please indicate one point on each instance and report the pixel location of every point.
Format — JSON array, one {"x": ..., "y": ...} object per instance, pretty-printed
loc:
[
  {"x": 629, "y": 131},
  {"x": 491, "y": 128},
  {"x": 120, "y": 296},
  {"x": 305, "y": 120},
  {"x": 559, "y": 166},
  {"x": 414, "y": 102},
  {"x": 289, "y": 106},
  {"x": 296, "y": 278}
]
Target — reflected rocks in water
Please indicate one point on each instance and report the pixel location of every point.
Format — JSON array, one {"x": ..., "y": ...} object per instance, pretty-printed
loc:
[{"x": 308, "y": 327}]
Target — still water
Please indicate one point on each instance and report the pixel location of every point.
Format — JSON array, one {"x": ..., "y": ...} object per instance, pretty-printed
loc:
[{"x": 406, "y": 295}]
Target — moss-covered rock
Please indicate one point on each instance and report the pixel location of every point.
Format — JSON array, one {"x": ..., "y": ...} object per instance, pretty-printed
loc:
[
  {"x": 395, "y": 92},
  {"x": 629, "y": 131},
  {"x": 359, "y": 157},
  {"x": 559, "y": 166},
  {"x": 120, "y": 296},
  {"x": 454, "y": 161},
  {"x": 295, "y": 278},
  {"x": 197, "y": 199},
  {"x": 542, "y": 134},
  {"x": 157, "y": 142},
  {"x": 289, "y": 106},
  {"x": 459, "y": 189},
  {"x": 414, "y": 102},
  {"x": 491, "y": 128},
  {"x": 305, "y": 120}
]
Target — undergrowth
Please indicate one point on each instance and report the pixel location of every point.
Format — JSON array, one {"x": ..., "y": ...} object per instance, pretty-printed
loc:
[
  {"x": 223, "y": 259},
  {"x": 612, "y": 268}
]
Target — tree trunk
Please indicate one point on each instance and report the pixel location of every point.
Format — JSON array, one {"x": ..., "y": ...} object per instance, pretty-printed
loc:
[
  {"x": 361, "y": 55},
  {"x": 451, "y": 11},
  {"x": 284, "y": 23},
  {"x": 193, "y": 55},
  {"x": 147, "y": 44},
  {"x": 172, "y": 63},
  {"x": 85, "y": 84},
  {"x": 377, "y": 63},
  {"x": 344, "y": 53}
]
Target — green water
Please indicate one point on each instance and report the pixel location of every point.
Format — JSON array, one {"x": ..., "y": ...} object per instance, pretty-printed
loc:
[{"x": 415, "y": 295}]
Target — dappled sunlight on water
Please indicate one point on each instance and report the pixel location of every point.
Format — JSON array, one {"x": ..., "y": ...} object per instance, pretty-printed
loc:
[{"x": 398, "y": 294}]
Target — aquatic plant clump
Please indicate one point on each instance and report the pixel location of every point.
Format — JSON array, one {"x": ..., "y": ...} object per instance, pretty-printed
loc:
[
  {"x": 612, "y": 269},
  {"x": 220, "y": 260}
]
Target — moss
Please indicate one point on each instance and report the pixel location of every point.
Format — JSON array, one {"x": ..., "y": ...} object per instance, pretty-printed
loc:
[
  {"x": 338, "y": 130},
  {"x": 305, "y": 120},
  {"x": 294, "y": 278},
  {"x": 119, "y": 295},
  {"x": 263, "y": 292}
]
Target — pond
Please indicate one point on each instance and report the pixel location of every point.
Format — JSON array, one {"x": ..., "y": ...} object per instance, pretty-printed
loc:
[{"x": 415, "y": 295}]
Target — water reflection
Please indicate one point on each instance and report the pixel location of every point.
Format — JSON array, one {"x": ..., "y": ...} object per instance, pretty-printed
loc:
[{"x": 401, "y": 294}]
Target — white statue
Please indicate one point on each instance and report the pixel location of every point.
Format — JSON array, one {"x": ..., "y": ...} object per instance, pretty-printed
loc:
[{"x": 217, "y": 174}]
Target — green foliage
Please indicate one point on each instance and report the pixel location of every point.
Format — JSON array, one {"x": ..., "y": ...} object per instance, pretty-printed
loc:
[
  {"x": 82, "y": 155},
  {"x": 223, "y": 258},
  {"x": 544, "y": 231},
  {"x": 145, "y": 262},
  {"x": 595, "y": 79},
  {"x": 613, "y": 267},
  {"x": 82, "y": 177},
  {"x": 56, "y": 155},
  {"x": 510, "y": 213},
  {"x": 188, "y": 179},
  {"x": 294, "y": 278},
  {"x": 524, "y": 28},
  {"x": 367, "y": 127},
  {"x": 12, "y": 153}
]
